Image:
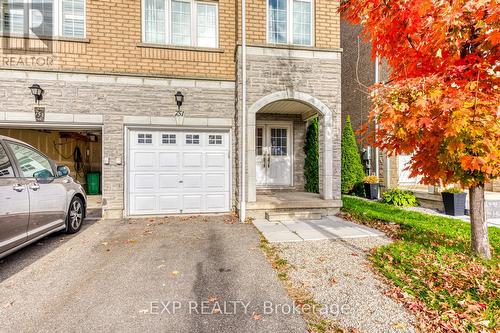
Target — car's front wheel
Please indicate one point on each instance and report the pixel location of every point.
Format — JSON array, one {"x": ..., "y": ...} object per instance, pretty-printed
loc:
[{"x": 75, "y": 216}]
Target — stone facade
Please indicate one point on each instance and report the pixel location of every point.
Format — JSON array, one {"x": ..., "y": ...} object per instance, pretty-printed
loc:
[
  {"x": 111, "y": 103},
  {"x": 308, "y": 77}
]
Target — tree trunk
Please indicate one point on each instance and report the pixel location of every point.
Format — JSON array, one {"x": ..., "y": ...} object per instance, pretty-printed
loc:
[{"x": 479, "y": 227}]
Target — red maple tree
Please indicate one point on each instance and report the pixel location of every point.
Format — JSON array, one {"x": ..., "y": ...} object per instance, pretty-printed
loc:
[{"x": 441, "y": 104}]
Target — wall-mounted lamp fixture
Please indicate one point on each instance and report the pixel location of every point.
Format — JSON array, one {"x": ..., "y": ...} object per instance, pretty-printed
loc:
[
  {"x": 179, "y": 114},
  {"x": 37, "y": 91}
]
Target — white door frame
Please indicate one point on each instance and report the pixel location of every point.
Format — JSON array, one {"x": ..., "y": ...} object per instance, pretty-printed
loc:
[
  {"x": 126, "y": 134},
  {"x": 278, "y": 123}
]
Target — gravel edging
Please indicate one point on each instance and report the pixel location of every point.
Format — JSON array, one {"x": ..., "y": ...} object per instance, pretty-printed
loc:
[{"x": 338, "y": 275}]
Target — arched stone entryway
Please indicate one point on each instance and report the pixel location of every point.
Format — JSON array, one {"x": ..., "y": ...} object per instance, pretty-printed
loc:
[{"x": 283, "y": 103}]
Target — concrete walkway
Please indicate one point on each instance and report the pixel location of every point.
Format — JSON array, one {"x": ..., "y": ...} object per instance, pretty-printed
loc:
[{"x": 330, "y": 227}]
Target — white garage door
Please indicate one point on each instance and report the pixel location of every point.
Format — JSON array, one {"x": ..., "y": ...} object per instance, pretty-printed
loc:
[{"x": 175, "y": 172}]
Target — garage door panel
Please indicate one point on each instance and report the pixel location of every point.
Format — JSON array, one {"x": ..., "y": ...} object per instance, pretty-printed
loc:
[
  {"x": 192, "y": 160},
  {"x": 216, "y": 182},
  {"x": 216, "y": 160},
  {"x": 217, "y": 202},
  {"x": 144, "y": 204},
  {"x": 143, "y": 159},
  {"x": 193, "y": 203},
  {"x": 169, "y": 160},
  {"x": 172, "y": 172},
  {"x": 144, "y": 182},
  {"x": 169, "y": 203},
  {"x": 169, "y": 181},
  {"x": 192, "y": 181}
]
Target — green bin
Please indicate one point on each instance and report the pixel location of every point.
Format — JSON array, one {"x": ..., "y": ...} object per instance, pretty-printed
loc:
[{"x": 93, "y": 181}]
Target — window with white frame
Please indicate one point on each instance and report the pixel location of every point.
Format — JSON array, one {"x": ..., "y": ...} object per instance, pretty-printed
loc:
[
  {"x": 50, "y": 18},
  {"x": 180, "y": 22},
  {"x": 192, "y": 139},
  {"x": 169, "y": 139},
  {"x": 215, "y": 139},
  {"x": 144, "y": 138},
  {"x": 290, "y": 22}
]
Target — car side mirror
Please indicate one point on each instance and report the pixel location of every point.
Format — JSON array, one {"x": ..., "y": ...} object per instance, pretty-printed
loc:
[
  {"x": 62, "y": 171},
  {"x": 43, "y": 175}
]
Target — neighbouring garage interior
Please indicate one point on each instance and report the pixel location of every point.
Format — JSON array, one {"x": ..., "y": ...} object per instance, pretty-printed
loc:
[{"x": 79, "y": 149}]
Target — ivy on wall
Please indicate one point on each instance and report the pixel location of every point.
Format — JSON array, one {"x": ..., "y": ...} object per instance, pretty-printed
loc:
[{"x": 311, "y": 163}]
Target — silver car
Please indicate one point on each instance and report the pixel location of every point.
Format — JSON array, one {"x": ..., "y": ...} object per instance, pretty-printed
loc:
[{"x": 37, "y": 197}]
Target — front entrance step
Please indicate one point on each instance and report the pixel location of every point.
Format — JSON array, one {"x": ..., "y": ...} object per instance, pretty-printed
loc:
[{"x": 292, "y": 215}]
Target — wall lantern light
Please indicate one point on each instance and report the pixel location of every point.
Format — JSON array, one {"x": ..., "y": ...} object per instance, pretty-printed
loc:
[
  {"x": 179, "y": 114},
  {"x": 37, "y": 91}
]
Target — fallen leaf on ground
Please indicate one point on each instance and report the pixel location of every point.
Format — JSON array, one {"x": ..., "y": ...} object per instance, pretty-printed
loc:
[
  {"x": 399, "y": 325},
  {"x": 175, "y": 273},
  {"x": 8, "y": 305},
  {"x": 212, "y": 299},
  {"x": 161, "y": 266},
  {"x": 256, "y": 316}
]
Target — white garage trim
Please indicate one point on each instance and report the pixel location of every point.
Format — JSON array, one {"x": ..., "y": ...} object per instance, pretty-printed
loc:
[{"x": 171, "y": 196}]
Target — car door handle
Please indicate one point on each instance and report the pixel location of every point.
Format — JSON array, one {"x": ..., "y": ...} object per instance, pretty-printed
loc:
[
  {"x": 18, "y": 188},
  {"x": 35, "y": 187}
]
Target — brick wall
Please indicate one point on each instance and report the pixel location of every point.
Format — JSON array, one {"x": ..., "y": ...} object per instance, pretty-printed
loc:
[
  {"x": 113, "y": 43},
  {"x": 326, "y": 23},
  {"x": 114, "y": 46}
]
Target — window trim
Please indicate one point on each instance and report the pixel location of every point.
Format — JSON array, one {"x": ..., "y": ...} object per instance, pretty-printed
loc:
[
  {"x": 289, "y": 24},
  {"x": 168, "y": 138},
  {"x": 57, "y": 23},
  {"x": 194, "y": 24},
  {"x": 192, "y": 139},
  {"x": 144, "y": 138}
]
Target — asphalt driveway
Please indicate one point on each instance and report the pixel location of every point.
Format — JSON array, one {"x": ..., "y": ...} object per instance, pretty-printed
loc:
[{"x": 199, "y": 274}]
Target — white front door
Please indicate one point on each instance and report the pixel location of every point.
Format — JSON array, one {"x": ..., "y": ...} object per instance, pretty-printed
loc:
[
  {"x": 175, "y": 172},
  {"x": 273, "y": 154}
]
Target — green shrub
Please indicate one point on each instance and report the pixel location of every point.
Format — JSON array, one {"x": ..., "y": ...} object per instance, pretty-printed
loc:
[
  {"x": 352, "y": 168},
  {"x": 311, "y": 162},
  {"x": 359, "y": 190},
  {"x": 398, "y": 197}
]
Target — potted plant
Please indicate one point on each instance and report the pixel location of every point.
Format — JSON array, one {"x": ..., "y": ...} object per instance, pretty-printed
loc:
[
  {"x": 371, "y": 187},
  {"x": 454, "y": 201}
]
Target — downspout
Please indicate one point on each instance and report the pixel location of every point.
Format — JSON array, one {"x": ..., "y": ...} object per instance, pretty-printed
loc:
[
  {"x": 244, "y": 112},
  {"x": 387, "y": 169},
  {"x": 377, "y": 80}
]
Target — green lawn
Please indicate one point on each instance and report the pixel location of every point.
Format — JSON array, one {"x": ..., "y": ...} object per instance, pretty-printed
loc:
[{"x": 430, "y": 260}]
